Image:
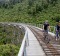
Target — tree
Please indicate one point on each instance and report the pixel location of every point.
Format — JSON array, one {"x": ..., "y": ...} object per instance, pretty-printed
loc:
[
  {"x": 30, "y": 2},
  {"x": 51, "y": 1},
  {"x": 38, "y": 8}
]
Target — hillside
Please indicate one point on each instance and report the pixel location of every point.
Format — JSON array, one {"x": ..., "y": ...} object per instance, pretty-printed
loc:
[
  {"x": 10, "y": 39},
  {"x": 31, "y": 11}
]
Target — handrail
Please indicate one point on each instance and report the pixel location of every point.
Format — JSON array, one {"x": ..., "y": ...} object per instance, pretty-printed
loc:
[
  {"x": 52, "y": 28},
  {"x": 22, "y": 51}
]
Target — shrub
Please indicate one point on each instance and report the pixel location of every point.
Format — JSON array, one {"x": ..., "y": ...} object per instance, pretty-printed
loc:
[
  {"x": 8, "y": 50},
  {"x": 44, "y": 4},
  {"x": 38, "y": 8},
  {"x": 52, "y": 1},
  {"x": 56, "y": 18}
]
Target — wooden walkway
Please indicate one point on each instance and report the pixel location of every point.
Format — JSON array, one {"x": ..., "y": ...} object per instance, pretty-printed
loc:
[{"x": 34, "y": 48}]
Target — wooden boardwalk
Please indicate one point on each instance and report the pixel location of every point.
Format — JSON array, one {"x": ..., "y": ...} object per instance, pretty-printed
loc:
[{"x": 34, "y": 48}]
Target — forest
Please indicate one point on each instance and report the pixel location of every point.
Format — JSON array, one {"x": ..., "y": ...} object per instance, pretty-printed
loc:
[{"x": 30, "y": 11}]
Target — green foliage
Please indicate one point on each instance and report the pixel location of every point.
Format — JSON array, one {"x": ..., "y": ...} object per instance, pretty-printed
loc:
[
  {"x": 31, "y": 11},
  {"x": 10, "y": 39},
  {"x": 44, "y": 4},
  {"x": 9, "y": 49},
  {"x": 30, "y": 2},
  {"x": 52, "y": 2},
  {"x": 9, "y": 3},
  {"x": 56, "y": 18},
  {"x": 38, "y": 8}
]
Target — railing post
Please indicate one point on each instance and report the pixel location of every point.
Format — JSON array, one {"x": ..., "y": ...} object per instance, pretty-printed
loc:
[
  {"x": 26, "y": 43},
  {"x": 54, "y": 29},
  {"x": 25, "y": 49},
  {"x": 27, "y": 40}
]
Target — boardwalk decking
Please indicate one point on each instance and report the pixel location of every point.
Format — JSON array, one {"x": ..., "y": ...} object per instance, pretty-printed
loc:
[{"x": 34, "y": 48}]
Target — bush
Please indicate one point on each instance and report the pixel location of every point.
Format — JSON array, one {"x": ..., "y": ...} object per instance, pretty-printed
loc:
[
  {"x": 30, "y": 2},
  {"x": 52, "y": 1},
  {"x": 44, "y": 4},
  {"x": 38, "y": 8},
  {"x": 32, "y": 11},
  {"x": 8, "y": 50},
  {"x": 56, "y": 18}
]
